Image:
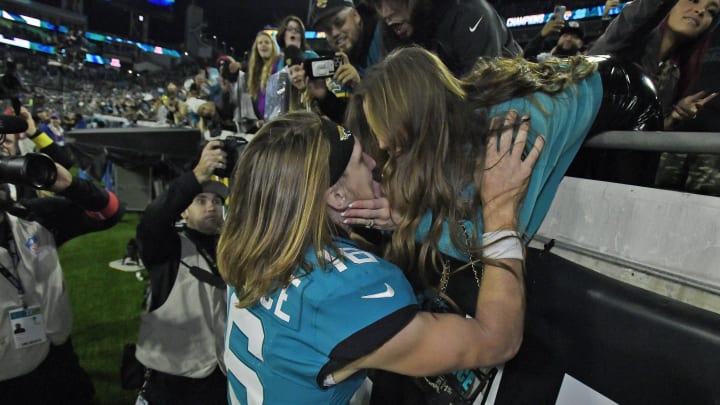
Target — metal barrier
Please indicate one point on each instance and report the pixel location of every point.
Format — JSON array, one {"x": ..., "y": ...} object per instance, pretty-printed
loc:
[
  {"x": 658, "y": 141},
  {"x": 662, "y": 240}
]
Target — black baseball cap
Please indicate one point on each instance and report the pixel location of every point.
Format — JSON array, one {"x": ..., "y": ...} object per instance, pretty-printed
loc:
[
  {"x": 215, "y": 187},
  {"x": 321, "y": 9},
  {"x": 342, "y": 143},
  {"x": 292, "y": 55},
  {"x": 573, "y": 28}
]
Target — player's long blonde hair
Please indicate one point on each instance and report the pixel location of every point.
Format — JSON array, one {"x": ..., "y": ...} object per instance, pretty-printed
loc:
[{"x": 277, "y": 208}]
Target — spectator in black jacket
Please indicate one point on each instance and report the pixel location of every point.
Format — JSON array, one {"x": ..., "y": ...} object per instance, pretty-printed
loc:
[{"x": 459, "y": 31}]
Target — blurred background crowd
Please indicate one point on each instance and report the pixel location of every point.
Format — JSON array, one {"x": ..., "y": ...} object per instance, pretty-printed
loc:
[{"x": 136, "y": 63}]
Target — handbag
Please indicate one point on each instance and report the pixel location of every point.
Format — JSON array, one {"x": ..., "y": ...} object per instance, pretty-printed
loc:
[
  {"x": 132, "y": 372},
  {"x": 463, "y": 387}
]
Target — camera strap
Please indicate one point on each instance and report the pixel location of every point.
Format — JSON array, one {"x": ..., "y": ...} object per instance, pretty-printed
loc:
[{"x": 213, "y": 277}]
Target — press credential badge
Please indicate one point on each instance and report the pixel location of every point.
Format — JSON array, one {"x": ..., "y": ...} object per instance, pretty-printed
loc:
[{"x": 28, "y": 326}]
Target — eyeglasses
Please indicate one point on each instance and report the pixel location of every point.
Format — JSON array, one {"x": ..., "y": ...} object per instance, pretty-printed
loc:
[{"x": 296, "y": 30}]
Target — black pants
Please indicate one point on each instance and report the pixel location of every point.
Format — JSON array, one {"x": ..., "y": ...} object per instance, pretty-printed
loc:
[
  {"x": 167, "y": 389},
  {"x": 59, "y": 379}
]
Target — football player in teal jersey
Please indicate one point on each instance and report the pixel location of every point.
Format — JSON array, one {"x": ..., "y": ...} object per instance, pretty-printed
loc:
[{"x": 309, "y": 310}]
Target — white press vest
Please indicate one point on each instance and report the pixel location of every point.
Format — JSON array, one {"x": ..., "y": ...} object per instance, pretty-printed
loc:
[
  {"x": 185, "y": 335},
  {"x": 38, "y": 268}
]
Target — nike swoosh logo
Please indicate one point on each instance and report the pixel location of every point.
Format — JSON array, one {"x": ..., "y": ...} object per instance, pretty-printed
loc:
[
  {"x": 388, "y": 293},
  {"x": 474, "y": 27}
]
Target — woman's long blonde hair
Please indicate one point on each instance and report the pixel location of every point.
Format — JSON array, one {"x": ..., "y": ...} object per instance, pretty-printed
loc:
[
  {"x": 277, "y": 208},
  {"x": 259, "y": 69},
  {"x": 434, "y": 128}
]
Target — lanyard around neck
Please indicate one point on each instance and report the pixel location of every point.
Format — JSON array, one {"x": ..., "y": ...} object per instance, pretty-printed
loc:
[{"x": 12, "y": 278}]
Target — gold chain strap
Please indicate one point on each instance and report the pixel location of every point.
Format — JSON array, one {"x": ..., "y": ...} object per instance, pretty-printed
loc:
[{"x": 445, "y": 276}]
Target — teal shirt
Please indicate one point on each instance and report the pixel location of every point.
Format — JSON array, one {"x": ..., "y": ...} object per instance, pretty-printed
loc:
[
  {"x": 280, "y": 350},
  {"x": 564, "y": 120}
]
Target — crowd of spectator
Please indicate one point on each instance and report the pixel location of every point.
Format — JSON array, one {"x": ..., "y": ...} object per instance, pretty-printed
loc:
[{"x": 421, "y": 87}]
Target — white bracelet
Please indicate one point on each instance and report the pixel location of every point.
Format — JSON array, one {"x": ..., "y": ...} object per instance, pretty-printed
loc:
[{"x": 502, "y": 245}]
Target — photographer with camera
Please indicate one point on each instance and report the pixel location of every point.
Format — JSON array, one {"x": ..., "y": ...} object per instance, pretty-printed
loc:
[
  {"x": 351, "y": 29},
  {"x": 354, "y": 33},
  {"x": 24, "y": 175},
  {"x": 181, "y": 336},
  {"x": 39, "y": 364}
]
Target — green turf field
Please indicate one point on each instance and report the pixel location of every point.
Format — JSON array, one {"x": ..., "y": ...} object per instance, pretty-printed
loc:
[{"x": 106, "y": 306}]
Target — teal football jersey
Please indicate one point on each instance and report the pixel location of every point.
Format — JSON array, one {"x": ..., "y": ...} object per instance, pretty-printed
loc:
[
  {"x": 564, "y": 120},
  {"x": 280, "y": 350}
]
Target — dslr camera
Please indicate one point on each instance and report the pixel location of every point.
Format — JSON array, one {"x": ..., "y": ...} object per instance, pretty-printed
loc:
[
  {"x": 224, "y": 68},
  {"x": 320, "y": 68},
  {"x": 233, "y": 147}
]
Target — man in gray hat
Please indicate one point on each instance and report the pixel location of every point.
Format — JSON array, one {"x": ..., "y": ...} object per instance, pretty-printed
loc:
[{"x": 181, "y": 336}]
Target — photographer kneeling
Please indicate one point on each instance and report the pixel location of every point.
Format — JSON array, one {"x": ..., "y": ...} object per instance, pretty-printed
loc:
[
  {"x": 181, "y": 336},
  {"x": 39, "y": 364}
]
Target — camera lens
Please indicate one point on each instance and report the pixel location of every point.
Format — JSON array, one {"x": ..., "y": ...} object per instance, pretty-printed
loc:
[{"x": 34, "y": 169}]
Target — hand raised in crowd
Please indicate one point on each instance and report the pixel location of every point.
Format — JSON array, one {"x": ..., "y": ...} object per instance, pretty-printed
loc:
[
  {"x": 316, "y": 88},
  {"x": 377, "y": 210},
  {"x": 346, "y": 74},
  {"x": 609, "y": 5},
  {"x": 551, "y": 27},
  {"x": 25, "y": 114},
  {"x": 503, "y": 177},
  {"x": 234, "y": 66},
  {"x": 688, "y": 107},
  {"x": 212, "y": 157}
]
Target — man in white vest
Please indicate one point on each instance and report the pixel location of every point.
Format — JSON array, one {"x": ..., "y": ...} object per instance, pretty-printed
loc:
[
  {"x": 38, "y": 364},
  {"x": 181, "y": 336}
]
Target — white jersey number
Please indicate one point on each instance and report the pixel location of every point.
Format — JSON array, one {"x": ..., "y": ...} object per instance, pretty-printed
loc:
[{"x": 251, "y": 327}]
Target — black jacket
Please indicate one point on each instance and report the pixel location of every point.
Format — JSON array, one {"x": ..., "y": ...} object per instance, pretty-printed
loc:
[
  {"x": 158, "y": 238},
  {"x": 459, "y": 31}
]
